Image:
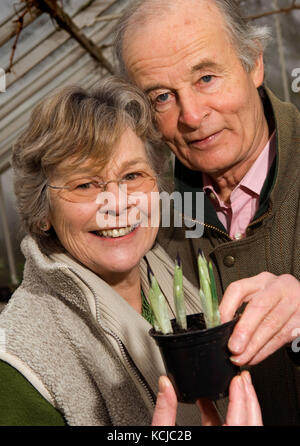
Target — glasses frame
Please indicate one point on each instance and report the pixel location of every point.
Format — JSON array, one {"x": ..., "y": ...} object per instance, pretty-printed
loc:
[{"x": 102, "y": 186}]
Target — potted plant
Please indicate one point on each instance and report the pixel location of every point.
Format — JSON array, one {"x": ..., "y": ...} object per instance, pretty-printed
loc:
[{"x": 194, "y": 347}]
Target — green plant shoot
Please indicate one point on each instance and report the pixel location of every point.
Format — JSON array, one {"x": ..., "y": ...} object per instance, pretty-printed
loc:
[
  {"x": 179, "y": 295},
  {"x": 215, "y": 302},
  {"x": 207, "y": 293},
  {"x": 159, "y": 305}
]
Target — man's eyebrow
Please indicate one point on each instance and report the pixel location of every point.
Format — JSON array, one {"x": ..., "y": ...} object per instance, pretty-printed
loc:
[
  {"x": 205, "y": 64},
  {"x": 156, "y": 87}
]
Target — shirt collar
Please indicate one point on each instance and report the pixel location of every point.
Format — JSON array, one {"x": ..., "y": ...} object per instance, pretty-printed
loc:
[{"x": 256, "y": 176}]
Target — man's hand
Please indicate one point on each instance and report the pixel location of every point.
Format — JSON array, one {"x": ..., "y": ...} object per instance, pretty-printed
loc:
[
  {"x": 269, "y": 319},
  {"x": 243, "y": 407}
]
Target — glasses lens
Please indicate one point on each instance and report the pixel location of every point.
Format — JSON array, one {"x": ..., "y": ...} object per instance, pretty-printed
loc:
[
  {"x": 138, "y": 182},
  {"x": 81, "y": 190}
]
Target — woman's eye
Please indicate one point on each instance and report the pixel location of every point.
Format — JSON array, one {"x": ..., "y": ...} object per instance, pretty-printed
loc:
[
  {"x": 132, "y": 176},
  {"x": 84, "y": 185}
]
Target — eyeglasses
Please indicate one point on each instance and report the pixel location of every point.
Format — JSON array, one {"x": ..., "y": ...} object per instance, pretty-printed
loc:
[{"x": 84, "y": 190}]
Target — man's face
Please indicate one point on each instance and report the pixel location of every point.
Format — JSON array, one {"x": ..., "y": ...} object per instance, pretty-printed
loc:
[{"x": 207, "y": 105}]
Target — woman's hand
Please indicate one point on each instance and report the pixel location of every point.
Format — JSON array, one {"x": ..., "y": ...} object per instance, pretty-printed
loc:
[{"x": 243, "y": 407}]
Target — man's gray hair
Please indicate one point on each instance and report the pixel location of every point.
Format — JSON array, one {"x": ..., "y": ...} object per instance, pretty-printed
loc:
[{"x": 249, "y": 40}]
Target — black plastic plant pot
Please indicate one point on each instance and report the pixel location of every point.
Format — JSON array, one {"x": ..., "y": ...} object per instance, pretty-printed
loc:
[{"x": 197, "y": 360}]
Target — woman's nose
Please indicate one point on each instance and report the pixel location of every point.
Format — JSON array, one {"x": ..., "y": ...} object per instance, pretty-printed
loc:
[{"x": 114, "y": 199}]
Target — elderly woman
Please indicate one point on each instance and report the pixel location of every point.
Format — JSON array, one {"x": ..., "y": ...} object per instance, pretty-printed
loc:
[{"x": 77, "y": 349}]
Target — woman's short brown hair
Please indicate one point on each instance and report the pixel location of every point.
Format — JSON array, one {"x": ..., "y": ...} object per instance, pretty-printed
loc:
[{"x": 78, "y": 125}]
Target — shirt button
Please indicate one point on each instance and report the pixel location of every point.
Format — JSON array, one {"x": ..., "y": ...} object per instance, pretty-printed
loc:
[
  {"x": 238, "y": 236},
  {"x": 229, "y": 261}
]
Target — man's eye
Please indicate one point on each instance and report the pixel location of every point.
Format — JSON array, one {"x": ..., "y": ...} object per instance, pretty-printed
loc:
[
  {"x": 163, "y": 101},
  {"x": 163, "y": 97},
  {"x": 206, "y": 79}
]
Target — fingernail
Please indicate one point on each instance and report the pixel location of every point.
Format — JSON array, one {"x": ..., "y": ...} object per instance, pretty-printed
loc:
[
  {"x": 234, "y": 360},
  {"x": 237, "y": 343},
  {"x": 162, "y": 384},
  {"x": 239, "y": 381},
  {"x": 247, "y": 377}
]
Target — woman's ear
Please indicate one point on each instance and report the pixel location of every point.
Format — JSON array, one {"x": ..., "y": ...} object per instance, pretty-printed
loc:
[{"x": 45, "y": 225}]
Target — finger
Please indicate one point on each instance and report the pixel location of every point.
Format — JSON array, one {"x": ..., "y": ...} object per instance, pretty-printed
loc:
[
  {"x": 237, "y": 407},
  {"x": 264, "y": 331},
  {"x": 243, "y": 407},
  {"x": 166, "y": 404},
  {"x": 281, "y": 338},
  {"x": 257, "y": 309},
  {"x": 253, "y": 408},
  {"x": 209, "y": 414},
  {"x": 241, "y": 291}
]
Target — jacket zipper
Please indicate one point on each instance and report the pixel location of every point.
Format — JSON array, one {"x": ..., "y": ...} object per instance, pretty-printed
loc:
[
  {"x": 130, "y": 363},
  {"x": 258, "y": 220},
  {"x": 133, "y": 368},
  {"x": 205, "y": 225}
]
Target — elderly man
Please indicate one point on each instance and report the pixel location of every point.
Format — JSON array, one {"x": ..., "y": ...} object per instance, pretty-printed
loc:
[{"x": 202, "y": 67}]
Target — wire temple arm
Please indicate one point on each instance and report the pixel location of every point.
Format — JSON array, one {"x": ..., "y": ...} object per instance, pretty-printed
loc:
[{"x": 58, "y": 187}]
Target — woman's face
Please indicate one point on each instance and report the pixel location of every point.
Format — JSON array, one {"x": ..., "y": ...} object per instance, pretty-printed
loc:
[{"x": 110, "y": 234}]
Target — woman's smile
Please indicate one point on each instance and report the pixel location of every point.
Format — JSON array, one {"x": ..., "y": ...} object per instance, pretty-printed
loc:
[{"x": 116, "y": 233}]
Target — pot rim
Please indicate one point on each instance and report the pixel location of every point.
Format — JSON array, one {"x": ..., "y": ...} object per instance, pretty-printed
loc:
[{"x": 204, "y": 331}]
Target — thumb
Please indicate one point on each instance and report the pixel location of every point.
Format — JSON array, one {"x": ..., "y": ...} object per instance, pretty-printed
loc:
[
  {"x": 166, "y": 404},
  {"x": 209, "y": 414}
]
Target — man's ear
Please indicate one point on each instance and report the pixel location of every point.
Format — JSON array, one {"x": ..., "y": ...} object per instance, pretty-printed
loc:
[{"x": 258, "y": 71}]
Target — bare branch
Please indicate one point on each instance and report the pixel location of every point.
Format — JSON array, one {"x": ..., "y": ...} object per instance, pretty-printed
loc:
[
  {"x": 108, "y": 18},
  {"x": 65, "y": 22},
  {"x": 276, "y": 11}
]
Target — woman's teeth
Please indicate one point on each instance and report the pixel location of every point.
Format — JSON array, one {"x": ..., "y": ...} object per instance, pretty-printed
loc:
[{"x": 116, "y": 232}]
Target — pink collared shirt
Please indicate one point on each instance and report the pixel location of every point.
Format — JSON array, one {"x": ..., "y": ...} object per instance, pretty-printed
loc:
[{"x": 244, "y": 199}]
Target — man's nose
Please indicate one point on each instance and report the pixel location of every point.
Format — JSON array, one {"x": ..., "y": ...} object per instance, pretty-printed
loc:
[{"x": 193, "y": 110}]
